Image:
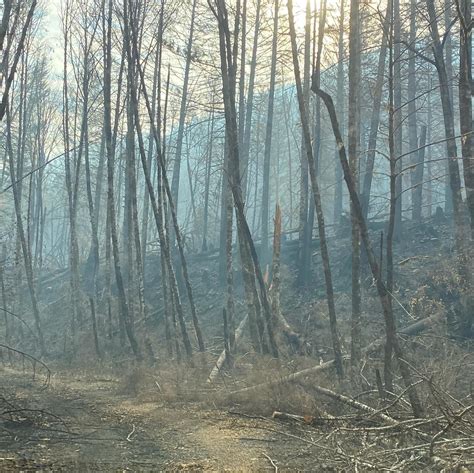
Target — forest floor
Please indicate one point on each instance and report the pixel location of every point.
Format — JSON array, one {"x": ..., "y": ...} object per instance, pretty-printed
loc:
[
  {"x": 84, "y": 424},
  {"x": 91, "y": 421},
  {"x": 162, "y": 415}
]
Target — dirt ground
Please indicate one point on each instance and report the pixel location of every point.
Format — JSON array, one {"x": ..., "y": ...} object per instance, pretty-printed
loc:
[{"x": 97, "y": 429}]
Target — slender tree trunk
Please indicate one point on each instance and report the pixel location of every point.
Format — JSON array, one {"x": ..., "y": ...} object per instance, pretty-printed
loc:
[
  {"x": 419, "y": 176},
  {"x": 22, "y": 237},
  {"x": 123, "y": 305},
  {"x": 244, "y": 235},
  {"x": 304, "y": 264},
  {"x": 390, "y": 325},
  {"x": 398, "y": 123},
  {"x": 353, "y": 148},
  {"x": 156, "y": 99},
  {"x": 316, "y": 196},
  {"x": 416, "y": 196},
  {"x": 388, "y": 375},
  {"x": 449, "y": 129},
  {"x": 71, "y": 179},
  {"x": 466, "y": 90},
  {"x": 182, "y": 111},
  {"x": 338, "y": 200},
  {"x": 268, "y": 138},
  {"x": 375, "y": 117},
  {"x": 448, "y": 194},
  {"x": 249, "y": 110},
  {"x": 207, "y": 182}
]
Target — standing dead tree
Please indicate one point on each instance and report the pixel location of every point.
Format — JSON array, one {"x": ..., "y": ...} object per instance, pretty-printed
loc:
[
  {"x": 390, "y": 326},
  {"x": 219, "y": 10},
  {"x": 123, "y": 305},
  {"x": 167, "y": 188},
  {"x": 7, "y": 30},
  {"x": 316, "y": 196}
]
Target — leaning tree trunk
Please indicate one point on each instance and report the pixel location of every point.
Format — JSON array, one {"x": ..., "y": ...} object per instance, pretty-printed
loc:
[
  {"x": 316, "y": 196},
  {"x": 390, "y": 326},
  {"x": 375, "y": 117},
  {"x": 304, "y": 263},
  {"x": 244, "y": 235},
  {"x": 449, "y": 130},
  {"x": 167, "y": 187}
]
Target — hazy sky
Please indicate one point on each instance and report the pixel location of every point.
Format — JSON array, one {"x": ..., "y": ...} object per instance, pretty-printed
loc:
[{"x": 52, "y": 25}]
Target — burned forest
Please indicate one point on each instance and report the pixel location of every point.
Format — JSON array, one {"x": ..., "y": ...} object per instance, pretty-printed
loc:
[{"x": 236, "y": 235}]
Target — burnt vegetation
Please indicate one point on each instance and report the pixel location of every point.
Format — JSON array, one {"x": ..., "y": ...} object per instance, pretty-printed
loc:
[{"x": 236, "y": 235}]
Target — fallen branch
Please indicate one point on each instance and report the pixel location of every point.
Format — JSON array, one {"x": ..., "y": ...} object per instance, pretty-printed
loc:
[
  {"x": 20, "y": 319},
  {"x": 32, "y": 360},
  {"x": 448, "y": 426},
  {"x": 129, "y": 436},
  {"x": 272, "y": 462}
]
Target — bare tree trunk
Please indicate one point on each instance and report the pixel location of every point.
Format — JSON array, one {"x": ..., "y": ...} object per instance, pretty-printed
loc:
[
  {"x": 207, "y": 183},
  {"x": 388, "y": 375},
  {"x": 21, "y": 235},
  {"x": 353, "y": 148},
  {"x": 375, "y": 117},
  {"x": 448, "y": 118},
  {"x": 419, "y": 174},
  {"x": 448, "y": 194},
  {"x": 124, "y": 310},
  {"x": 94, "y": 329},
  {"x": 243, "y": 64},
  {"x": 249, "y": 110},
  {"x": 338, "y": 204},
  {"x": 268, "y": 139},
  {"x": 230, "y": 276},
  {"x": 390, "y": 326},
  {"x": 87, "y": 72},
  {"x": 304, "y": 264},
  {"x": 156, "y": 104},
  {"x": 182, "y": 111},
  {"x": 398, "y": 123},
  {"x": 244, "y": 235},
  {"x": 223, "y": 219},
  {"x": 72, "y": 176},
  {"x": 417, "y": 186},
  {"x": 316, "y": 196},
  {"x": 466, "y": 90}
]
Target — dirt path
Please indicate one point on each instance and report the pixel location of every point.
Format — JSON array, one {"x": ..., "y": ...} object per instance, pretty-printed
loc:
[{"x": 99, "y": 430}]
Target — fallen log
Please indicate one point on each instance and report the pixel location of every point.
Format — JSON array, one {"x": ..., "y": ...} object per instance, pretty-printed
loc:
[
  {"x": 352, "y": 403},
  {"x": 320, "y": 416},
  {"x": 222, "y": 358},
  {"x": 343, "y": 400},
  {"x": 413, "y": 329}
]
